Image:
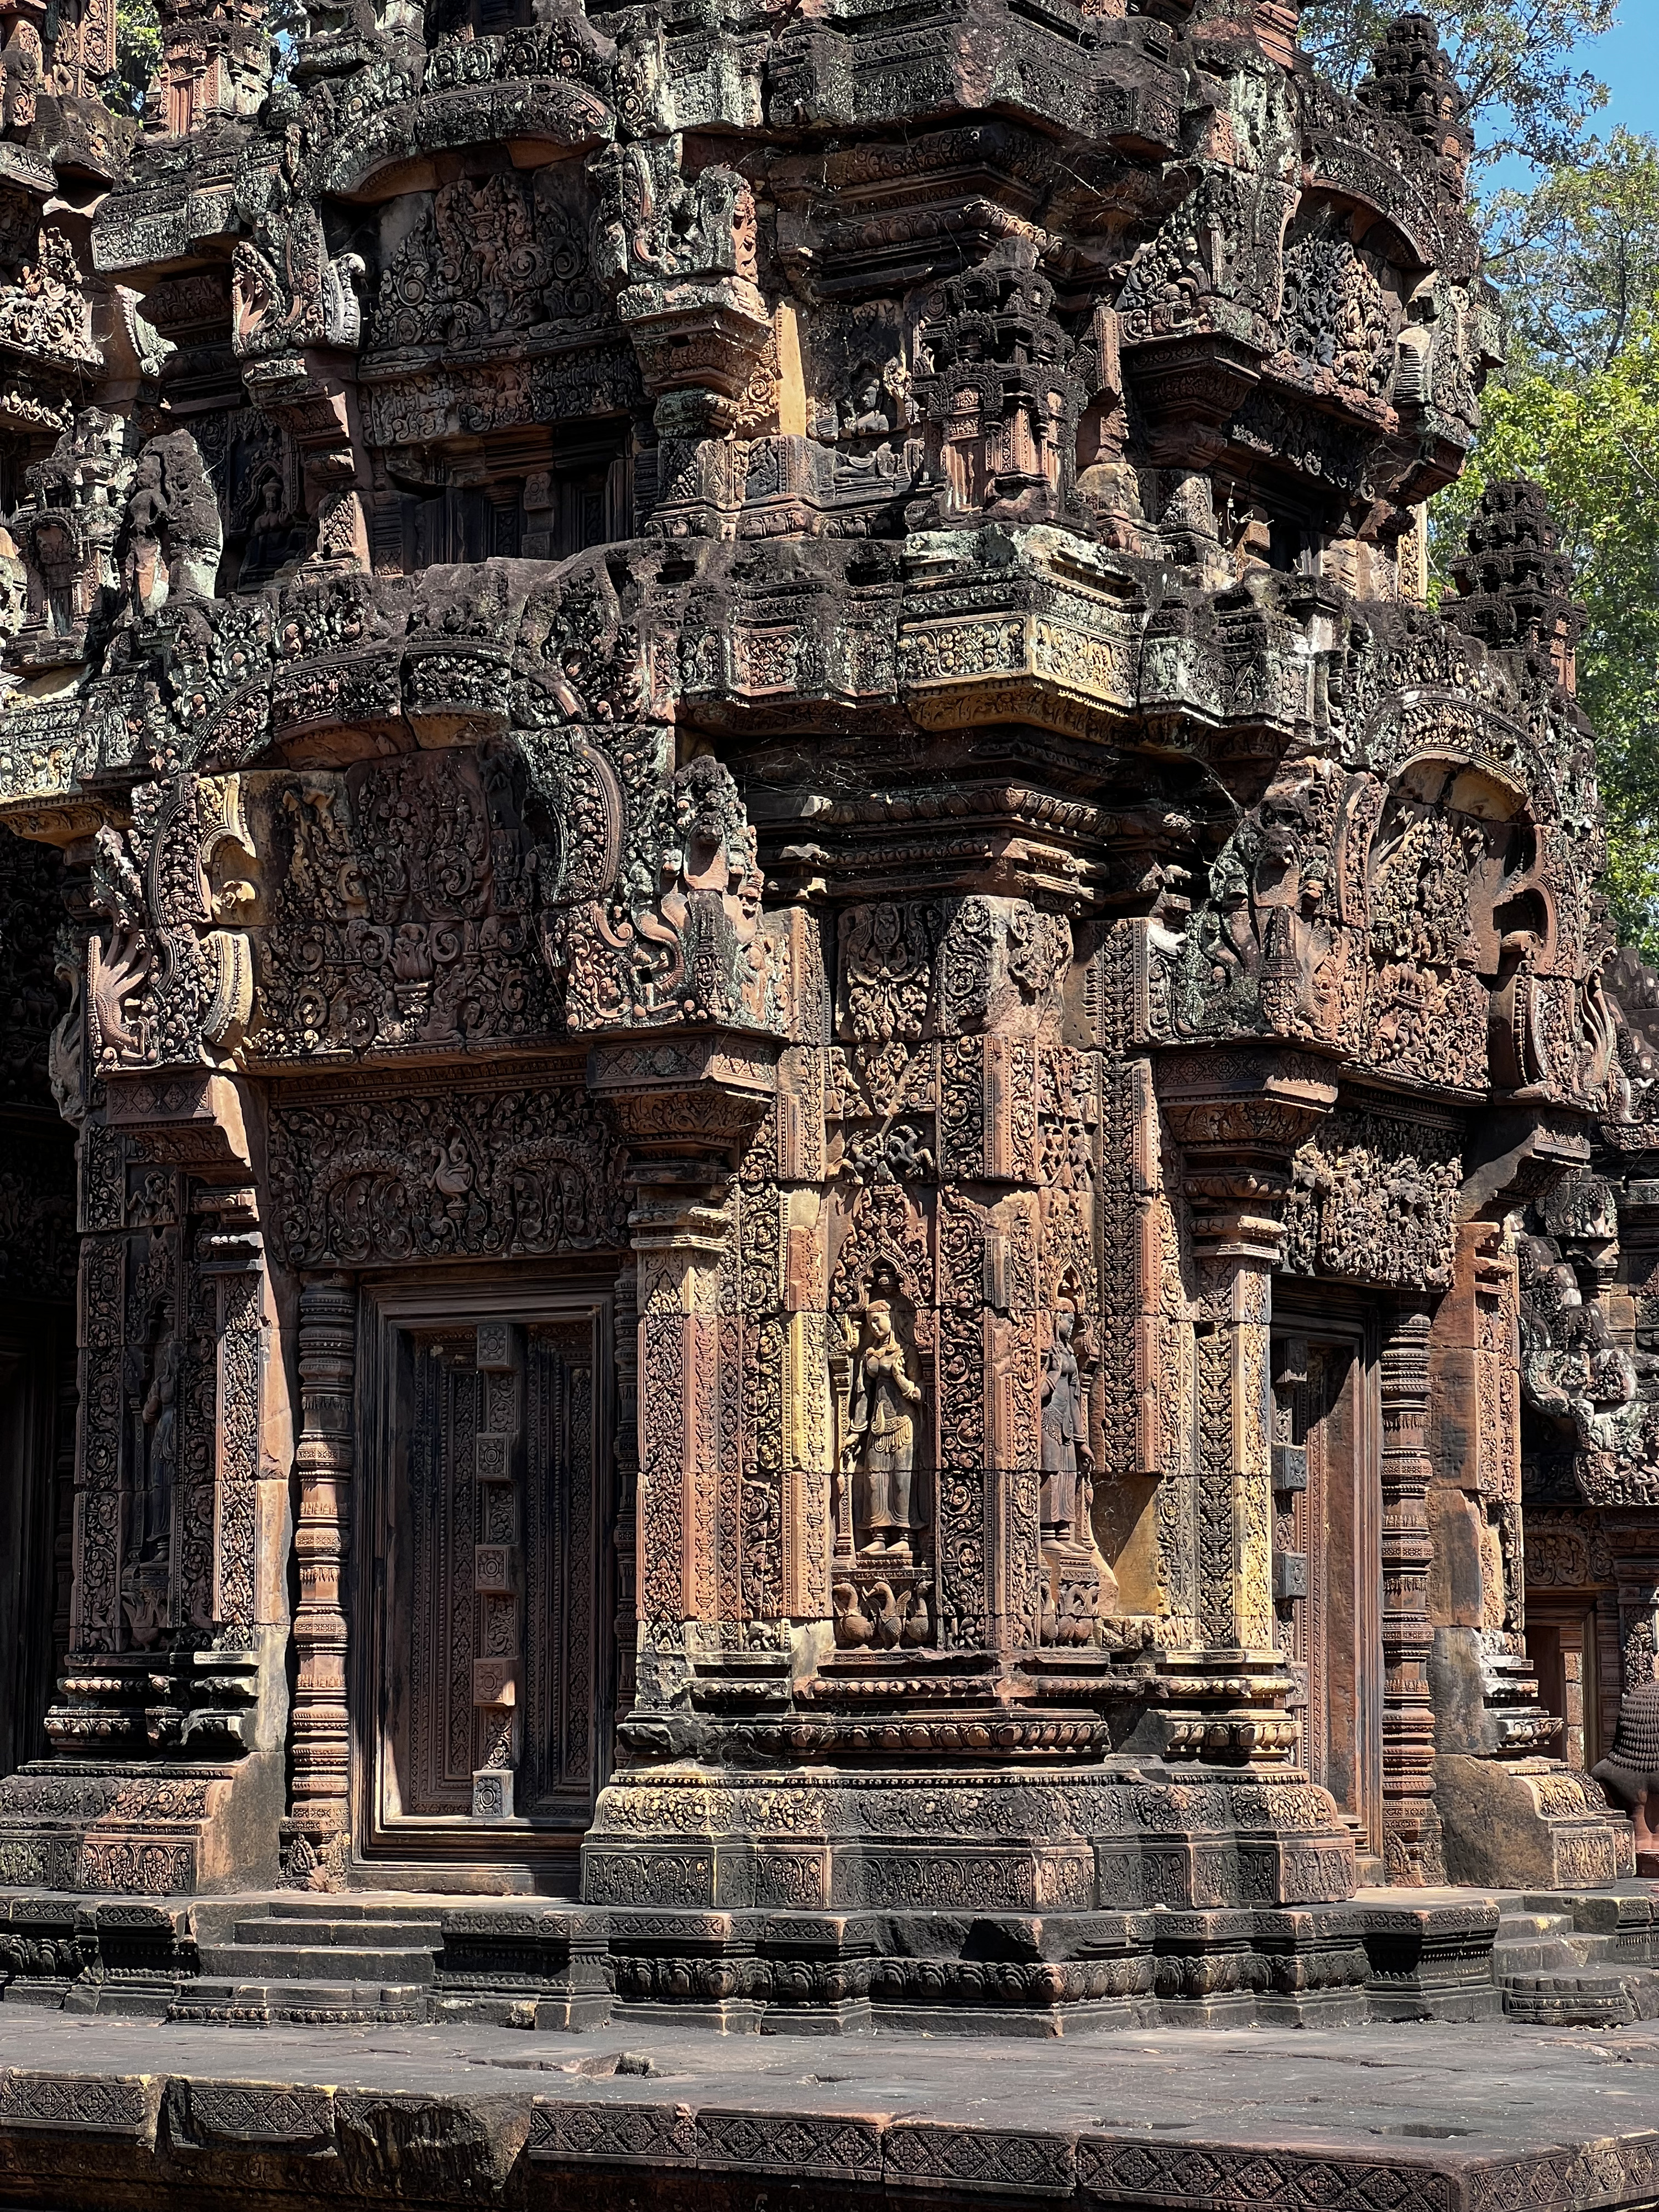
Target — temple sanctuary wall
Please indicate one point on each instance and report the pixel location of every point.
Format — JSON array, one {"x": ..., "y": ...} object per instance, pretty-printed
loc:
[{"x": 860, "y": 1184}]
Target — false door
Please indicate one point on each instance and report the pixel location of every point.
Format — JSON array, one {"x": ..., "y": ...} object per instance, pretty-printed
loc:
[
  {"x": 1328, "y": 1568},
  {"x": 489, "y": 1556}
]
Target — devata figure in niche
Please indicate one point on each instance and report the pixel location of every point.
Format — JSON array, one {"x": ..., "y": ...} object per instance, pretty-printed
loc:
[
  {"x": 159, "y": 1416},
  {"x": 154, "y": 1403},
  {"x": 1064, "y": 1448},
  {"x": 881, "y": 1436}
]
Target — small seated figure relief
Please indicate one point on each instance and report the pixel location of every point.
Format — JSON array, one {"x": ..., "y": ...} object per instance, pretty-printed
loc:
[
  {"x": 881, "y": 1438},
  {"x": 875, "y": 406}
]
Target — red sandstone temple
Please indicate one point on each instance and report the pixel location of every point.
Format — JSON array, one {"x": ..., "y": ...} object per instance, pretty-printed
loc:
[{"x": 825, "y": 1195}]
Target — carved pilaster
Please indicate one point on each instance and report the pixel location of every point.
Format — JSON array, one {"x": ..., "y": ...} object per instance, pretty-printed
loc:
[
  {"x": 684, "y": 1106},
  {"x": 626, "y": 1359},
  {"x": 1239, "y": 1116},
  {"x": 1412, "y": 1836},
  {"x": 173, "y": 1681},
  {"x": 315, "y": 1834},
  {"x": 1486, "y": 1693}
]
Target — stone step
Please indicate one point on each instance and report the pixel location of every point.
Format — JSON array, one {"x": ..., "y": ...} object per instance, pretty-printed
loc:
[
  {"x": 1595, "y": 1996},
  {"x": 382, "y": 1935},
  {"x": 405, "y": 1908},
  {"x": 1530, "y": 1927},
  {"x": 315, "y": 1962},
  {"x": 230, "y": 2001},
  {"x": 1549, "y": 1956}
]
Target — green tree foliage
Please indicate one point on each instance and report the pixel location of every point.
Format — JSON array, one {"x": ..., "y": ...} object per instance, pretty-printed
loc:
[
  {"x": 1577, "y": 260},
  {"x": 1577, "y": 408},
  {"x": 138, "y": 50},
  {"x": 1514, "y": 59}
]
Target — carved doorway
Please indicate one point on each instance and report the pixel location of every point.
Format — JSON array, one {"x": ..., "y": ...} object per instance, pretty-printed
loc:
[
  {"x": 484, "y": 1580},
  {"x": 1327, "y": 1559},
  {"x": 1561, "y": 1643}
]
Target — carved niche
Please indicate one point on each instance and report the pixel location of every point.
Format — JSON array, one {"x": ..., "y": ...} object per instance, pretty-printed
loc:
[
  {"x": 1341, "y": 310},
  {"x": 883, "y": 1589}
]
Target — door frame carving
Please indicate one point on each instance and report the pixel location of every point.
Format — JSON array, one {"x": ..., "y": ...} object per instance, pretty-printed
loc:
[
  {"x": 434, "y": 1850},
  {"x": 1332, "y": 1313}
]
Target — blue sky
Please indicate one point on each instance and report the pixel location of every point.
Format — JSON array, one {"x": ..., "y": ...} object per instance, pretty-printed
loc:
[{"x": 1627, "y": 62}]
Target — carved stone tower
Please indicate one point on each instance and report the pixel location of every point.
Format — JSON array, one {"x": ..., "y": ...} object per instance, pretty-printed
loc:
[{"x": 813, "y": 1019}]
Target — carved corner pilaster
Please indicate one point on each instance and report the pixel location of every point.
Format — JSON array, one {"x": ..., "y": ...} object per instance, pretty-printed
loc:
[
  {"x": 685, "y": 1104},
  {"x": 1238, "y": 1114}
]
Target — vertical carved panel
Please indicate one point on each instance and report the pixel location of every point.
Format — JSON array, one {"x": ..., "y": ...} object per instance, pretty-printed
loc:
[
  {"x": 627, "y": 1456},
  {"x": 962, "y": 1552},
  {"x": 748, "y": 1364},
  {"x": 662, "y": 1465},
  {"x": 1234, "y": 1497},
  {"x": 236, "y": 1468},
  {"x": 1253, "y": 1314},
  {"x": 1214, "y": 1489},
  {"x": 96, "y": 1609}
]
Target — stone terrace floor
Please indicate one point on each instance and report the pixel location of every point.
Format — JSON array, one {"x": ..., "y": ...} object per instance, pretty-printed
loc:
[{"x": 99, "y": 2111}]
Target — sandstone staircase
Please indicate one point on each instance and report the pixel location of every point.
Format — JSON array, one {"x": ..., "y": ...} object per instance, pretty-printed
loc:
[
  {"x": 1561, "y": 1959},
  {"x": 1589, "y": 1960},
  {"x": 334, "y": 1962}
]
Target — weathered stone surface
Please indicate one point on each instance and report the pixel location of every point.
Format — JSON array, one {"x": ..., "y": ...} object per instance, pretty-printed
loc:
[{"x": 1450, "y": 2118}]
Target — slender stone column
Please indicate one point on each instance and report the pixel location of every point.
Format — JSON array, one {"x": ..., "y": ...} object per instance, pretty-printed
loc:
[
  {"x": 1411, "y": 1835},
  {"x": 315, "y": 1835}
]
